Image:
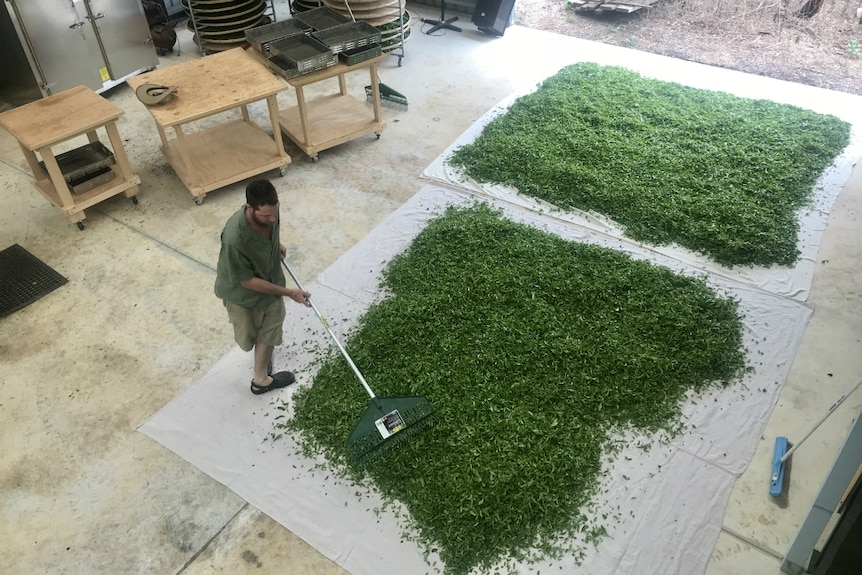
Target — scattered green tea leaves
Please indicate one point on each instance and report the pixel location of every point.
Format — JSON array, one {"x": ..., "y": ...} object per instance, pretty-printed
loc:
[
  {"x": 534, "y": 351},
  {"x": 715, "y": 173}
]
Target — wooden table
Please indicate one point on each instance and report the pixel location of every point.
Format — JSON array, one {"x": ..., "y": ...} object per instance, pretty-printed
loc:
[
  {"x": 216, "y": 156},
  {"x": 79, "y": 111},
  {"x": 334, "y": 119}
]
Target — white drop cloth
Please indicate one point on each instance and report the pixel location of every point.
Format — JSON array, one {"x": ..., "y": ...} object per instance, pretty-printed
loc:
[
  {"x": 665, "y": 504},
  {"x": 792, "y": 282}
]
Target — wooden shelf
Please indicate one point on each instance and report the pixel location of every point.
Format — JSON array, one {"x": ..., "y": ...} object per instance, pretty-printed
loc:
[
  {"x": 90, "y": 197},
  {"x": 209, "y": 85},
  {"x": 59, "y": 117},
  {"x": 331, "y": 120},
  {"x": 232, "y": 151},
  {"x": 222, "y": 155},
  {"x": 79, "y": 111}
]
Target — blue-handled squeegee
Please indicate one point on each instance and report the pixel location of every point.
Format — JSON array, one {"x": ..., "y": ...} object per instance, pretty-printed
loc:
[{"x": 784, "y": 449}]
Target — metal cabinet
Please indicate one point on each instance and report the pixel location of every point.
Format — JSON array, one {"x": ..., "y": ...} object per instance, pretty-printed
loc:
[{"x": 67, "y": 43}]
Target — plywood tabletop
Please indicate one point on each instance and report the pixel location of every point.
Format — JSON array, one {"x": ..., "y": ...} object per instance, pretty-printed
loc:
[
  {"x": 58, "y": 117},
  {"x": 209, "y": 85}
]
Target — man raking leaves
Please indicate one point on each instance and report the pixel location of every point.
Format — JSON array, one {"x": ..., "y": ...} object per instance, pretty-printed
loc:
[{"x": 250, "y": 282}]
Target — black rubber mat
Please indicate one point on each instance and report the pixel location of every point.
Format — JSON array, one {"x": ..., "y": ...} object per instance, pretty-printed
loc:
[{"x": 24, "y": 278}]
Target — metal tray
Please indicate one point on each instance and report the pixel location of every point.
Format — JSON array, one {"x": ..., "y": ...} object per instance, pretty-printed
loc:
[
  {"x": 261, "y": 36},
  {"x": 348, "y": 36},
  {"x": 284, "y": 68},
  {"x": 361, "y": 54},
  {"x": 321, "y": 18},
  {"x": 83, "y": 163},
  {"x": 302, "y": 53},
  {"x": 79, "y": 186}
]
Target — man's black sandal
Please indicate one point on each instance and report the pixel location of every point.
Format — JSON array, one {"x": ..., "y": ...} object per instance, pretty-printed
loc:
[{"x": 279, "y": 380}]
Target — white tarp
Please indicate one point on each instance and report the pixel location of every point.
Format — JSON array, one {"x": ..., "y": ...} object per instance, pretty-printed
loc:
[
  {"x": 792, "y": 282},
  {"x": 665, "y": 504}
]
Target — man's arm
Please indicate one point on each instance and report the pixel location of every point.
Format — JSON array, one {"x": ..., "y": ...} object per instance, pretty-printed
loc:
[{"x": 262, "y": 286}]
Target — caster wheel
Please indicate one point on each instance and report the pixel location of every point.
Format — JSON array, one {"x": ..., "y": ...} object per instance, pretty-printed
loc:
[
  {"x": 199, "y": 201},
  {"x": 399, "y": 60},
  {"x": 135, "y": 200},
  {"x": 378, "y": 135},
  {"x": 315, "y": 158},
  {"x": 81, "y": 226},
  {"x": 282, "y": 171}
]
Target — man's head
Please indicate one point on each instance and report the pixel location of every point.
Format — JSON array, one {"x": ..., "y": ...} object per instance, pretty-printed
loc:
[{"x": 262, "y": 202}]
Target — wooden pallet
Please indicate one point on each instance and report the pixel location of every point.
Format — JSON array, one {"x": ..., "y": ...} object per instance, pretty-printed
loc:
[{"x": 625, "y": 6}]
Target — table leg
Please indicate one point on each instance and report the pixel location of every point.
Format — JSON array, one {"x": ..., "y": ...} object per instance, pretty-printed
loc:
[
  {"x": 375, "y": 92},
  {"x": 342, "y": 85},
  {"x": 119, "y": 151},
  {"x": 122, "y": 160},
  {"x": 300, "y": 103},
  {"x": 67, "y": 203},
  {"x": 162, "y": 136},
  {"x": 33, "y": 162},
  {"x": 245, "y": 115},
  {"x": 92, "y": 136},
  {"x": 183, "y": 148},
  {"x": 272, "y": 105}
]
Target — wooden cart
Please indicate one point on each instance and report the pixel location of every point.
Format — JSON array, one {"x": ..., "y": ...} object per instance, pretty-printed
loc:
[
  {"x": 333, "y": 119},
  {"x": 217, "y": 156},
  {"x": 40, "y": 125}
]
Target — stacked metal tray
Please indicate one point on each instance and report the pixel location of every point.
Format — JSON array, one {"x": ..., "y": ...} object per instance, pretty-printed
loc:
[
  {"x": 86, "y": 167},
  {"x": 361, "y": 54},
  {"x": 262, "y": 36},
  {"x": 321, "y": 18},
  {"x": 348, "y": 36},
  {"x": 299, "y": 54},
  {"x": 221, "y": 24}
]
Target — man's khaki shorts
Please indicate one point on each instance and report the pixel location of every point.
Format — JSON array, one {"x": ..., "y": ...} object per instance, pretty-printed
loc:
[{"x": 256, "y": 324}]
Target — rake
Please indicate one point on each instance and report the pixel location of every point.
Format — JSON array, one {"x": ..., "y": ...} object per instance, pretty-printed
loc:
[
  {"x": 388, "y": 97},
  {"x": 387, "y": 421}
]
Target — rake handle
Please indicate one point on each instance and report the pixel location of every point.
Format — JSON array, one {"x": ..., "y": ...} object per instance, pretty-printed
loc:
[
  {"x": 829, "y": 412},
  {"x": 330, "y": 332}
]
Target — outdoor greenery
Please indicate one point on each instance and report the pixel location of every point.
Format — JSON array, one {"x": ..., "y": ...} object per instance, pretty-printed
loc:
[
  {"x": 718, "y": 174},
  {"x": 534, "y": 350}
]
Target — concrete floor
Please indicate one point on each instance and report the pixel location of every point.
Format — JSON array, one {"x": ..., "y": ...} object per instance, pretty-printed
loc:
[{"x": 83, "y": 492}]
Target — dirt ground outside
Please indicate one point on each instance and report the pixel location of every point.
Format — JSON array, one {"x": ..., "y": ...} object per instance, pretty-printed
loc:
[{"x": 764, "y": 37}]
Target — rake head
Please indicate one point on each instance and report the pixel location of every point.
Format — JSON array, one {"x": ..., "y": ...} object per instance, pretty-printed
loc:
[
  {"x": 386, "y": 423},
  {"x": 388, "y": 97}
]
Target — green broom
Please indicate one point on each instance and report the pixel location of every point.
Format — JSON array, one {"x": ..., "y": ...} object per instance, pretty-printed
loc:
[{"x": 387, "y": 421}]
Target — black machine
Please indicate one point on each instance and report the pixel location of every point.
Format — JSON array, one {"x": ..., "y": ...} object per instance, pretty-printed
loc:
[
  {"x": 493, "y": 16},
  {"x": 443, "y": 22},
  {"x": 162, "y": 33}
]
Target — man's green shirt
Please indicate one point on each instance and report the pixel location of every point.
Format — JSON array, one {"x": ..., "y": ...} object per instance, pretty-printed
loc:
[{"x": 245, "y": 254}]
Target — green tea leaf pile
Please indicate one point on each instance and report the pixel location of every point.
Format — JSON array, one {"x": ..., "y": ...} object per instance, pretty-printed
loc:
[
  {"x": 718, "y": 174},
  {"x": 534, "y": 350}
]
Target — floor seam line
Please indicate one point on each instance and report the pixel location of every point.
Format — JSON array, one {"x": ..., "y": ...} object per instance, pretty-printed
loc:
[
  {"x": 752, "y": 542},
  {"x": 206, "y": 545},
  {"x": 16, "y": 168},
  {"x": 158, "y": 241}
]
